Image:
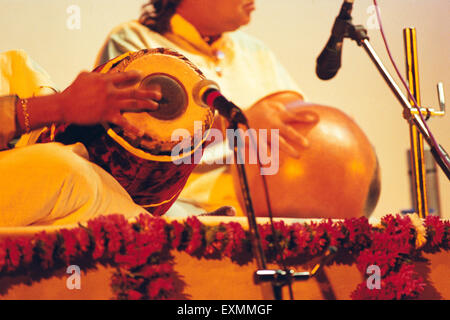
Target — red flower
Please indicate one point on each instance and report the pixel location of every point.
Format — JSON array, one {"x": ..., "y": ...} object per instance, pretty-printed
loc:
[
  {"x": 2, "y": 255},
  {"x": 152, "y": 231},
  {"x": 358, "y": 231},
  {"x": 150, "y": 271},
  {"x": 390, "y": 246},
  {"x": 404, "y": 284},
  {"x": 134, "y": 295},
  {"x": 96, "y": 228},
  {"x": 14, "y": 254},
  {"x": 136, "y": 255},
  {"x": 149, "y": 240},
  {"x": 332, "y": 231},
  {"x": 82, "y": 237},
  {"x": 46, "y": 246},
  {"x": 70, "y": 245},
  {"x": 281, "y": 239},
  {"x": 399, "y": 227},
  {"x": 26, "y": 248},
  {"x": 19, "y": 251},
  {"x": 220, "y": 235},
  {"x": 235, "y": 236},
  {"x": 196, "y": 239},
  {"x": 159, "y": 287},
  {"x": 176, "y": 234},
  {"x": 317, "y": 239},
  {"x": 435, "y": 231},
  {"x": 265, "y": 234},
  {"x": 118, "y": 231},
  {"x": 300, "y": 237}
]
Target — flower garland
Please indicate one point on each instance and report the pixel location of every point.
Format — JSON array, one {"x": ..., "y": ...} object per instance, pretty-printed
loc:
[{"x": 141, "y": 250}]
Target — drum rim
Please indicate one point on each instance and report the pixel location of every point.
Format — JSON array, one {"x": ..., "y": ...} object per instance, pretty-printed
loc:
[{"x": 147, "y": 155}]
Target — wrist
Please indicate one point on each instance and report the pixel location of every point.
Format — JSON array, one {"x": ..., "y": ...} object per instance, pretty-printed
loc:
[
  {"x": 59, "y": 108},
  {"x": 20, "y": 125}
]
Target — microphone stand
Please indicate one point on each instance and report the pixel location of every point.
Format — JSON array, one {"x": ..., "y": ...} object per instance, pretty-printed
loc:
[
  {"x": 252, "y": 224},
  {"x": 263, "y": 276},
  {"x": 359, "y": 34}
]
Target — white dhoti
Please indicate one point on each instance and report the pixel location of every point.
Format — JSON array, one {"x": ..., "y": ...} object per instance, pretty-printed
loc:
[{"x": 55, "y": 184}]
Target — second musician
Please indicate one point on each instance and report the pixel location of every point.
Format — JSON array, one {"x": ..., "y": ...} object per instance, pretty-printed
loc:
[{"x": 206, "y": 32}]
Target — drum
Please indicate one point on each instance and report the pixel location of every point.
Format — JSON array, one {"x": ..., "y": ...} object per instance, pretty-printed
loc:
[
  {"x": 337, "y": 176},
  {"x": 147, "y": 169}
]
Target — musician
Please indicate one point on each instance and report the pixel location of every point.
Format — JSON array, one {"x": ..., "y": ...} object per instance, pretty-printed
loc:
[
  {"x": 207, "y": 33},
  {"x": 51, "y": 183}
]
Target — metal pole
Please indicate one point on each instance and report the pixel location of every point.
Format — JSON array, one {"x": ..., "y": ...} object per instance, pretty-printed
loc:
[{"x": 418, "y": 169}]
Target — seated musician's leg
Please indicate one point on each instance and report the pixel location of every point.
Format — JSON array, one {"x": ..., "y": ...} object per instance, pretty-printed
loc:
[{"x": 55, "y": 184}]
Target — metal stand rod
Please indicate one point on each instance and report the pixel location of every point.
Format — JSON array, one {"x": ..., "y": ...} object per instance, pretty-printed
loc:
[
  {"x": 359, "y": 34},
  {"x": 253, "y": 227},
  {"x": 252, "y": 224},
  {"x": 417, "y": 152}
]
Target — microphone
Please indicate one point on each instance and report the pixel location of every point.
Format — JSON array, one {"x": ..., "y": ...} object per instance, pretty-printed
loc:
[
  {"x": 206, "y": 92},
  {"x": 329, "y": 61}
]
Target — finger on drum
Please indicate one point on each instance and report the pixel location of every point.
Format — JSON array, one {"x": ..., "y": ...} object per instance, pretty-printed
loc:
[
  {"x": 289, "y": 149},
  {"x": 277, "y": 105},
  {"x": 133, "y": 105},
  {"x": 291, "y": 134},
  {"x": 299, "y": 115},
  {"x": 153, "y": 87},
  {"x": 132, "y": 93},
  {"x": 125, "y": 79}
]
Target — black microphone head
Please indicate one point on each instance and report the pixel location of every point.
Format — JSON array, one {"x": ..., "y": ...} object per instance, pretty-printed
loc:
[
  {"x": 324, "y": 73},
  {"x": 329, "y": 61}
]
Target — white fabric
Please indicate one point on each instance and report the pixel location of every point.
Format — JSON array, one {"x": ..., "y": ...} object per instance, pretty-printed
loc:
[{"x": 55, "y": 184}]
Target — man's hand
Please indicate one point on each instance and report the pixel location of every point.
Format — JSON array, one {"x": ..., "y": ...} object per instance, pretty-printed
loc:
[
  {"x": 271, "y": 114},
  {"x": 96, "y": 98}
]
